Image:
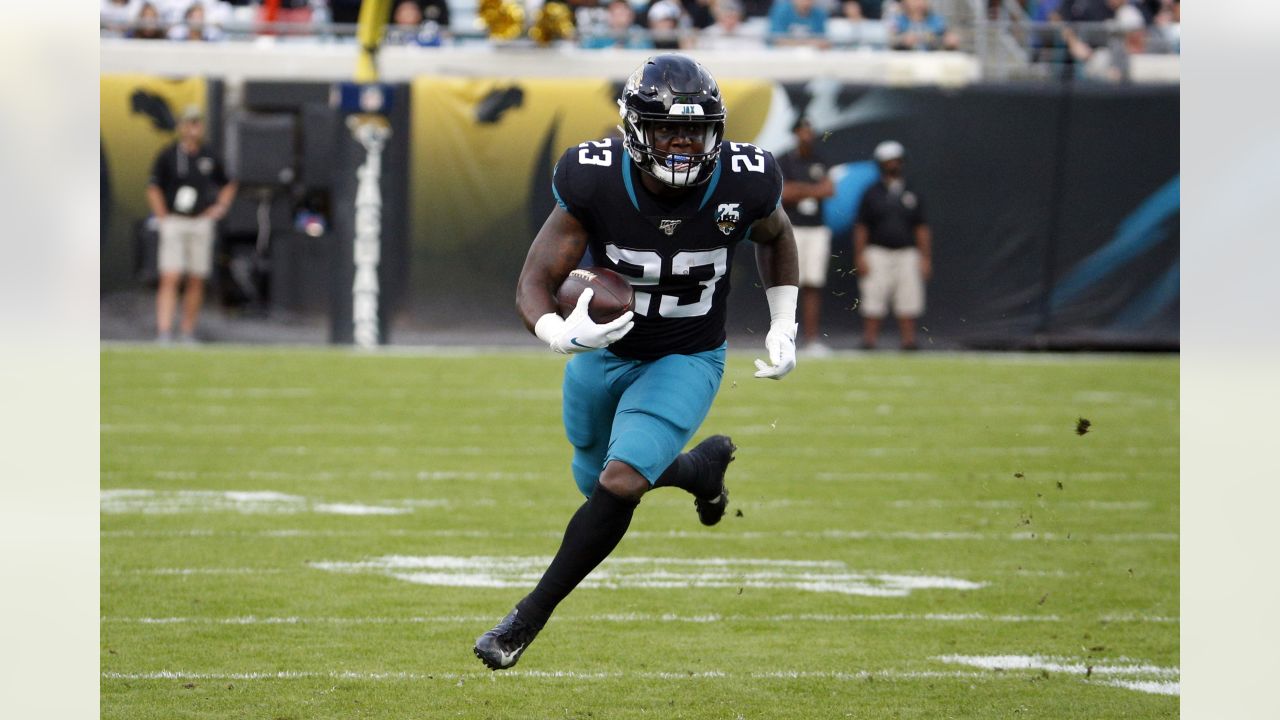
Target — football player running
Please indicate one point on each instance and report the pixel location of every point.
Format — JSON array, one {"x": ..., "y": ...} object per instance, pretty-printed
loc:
[{"x": 666, "y": 207}]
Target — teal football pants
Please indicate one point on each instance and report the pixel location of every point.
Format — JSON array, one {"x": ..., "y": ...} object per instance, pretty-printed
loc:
[{"x": 637, "y": 412}]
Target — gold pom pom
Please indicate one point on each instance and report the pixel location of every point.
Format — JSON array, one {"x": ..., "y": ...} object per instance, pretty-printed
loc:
[
  {"x": 554, "y": 22},
  {"x": 504, "y": 20}
]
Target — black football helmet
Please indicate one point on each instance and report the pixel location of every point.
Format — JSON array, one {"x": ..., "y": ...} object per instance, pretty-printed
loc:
[{"x": 672, "y": 89}]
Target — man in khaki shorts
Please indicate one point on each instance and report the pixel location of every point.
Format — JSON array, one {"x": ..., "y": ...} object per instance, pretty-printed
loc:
[
  {"x": 893, "y": 250},
  {"x": 805, "y": 184},
  {"x": 189, "y": 192}
]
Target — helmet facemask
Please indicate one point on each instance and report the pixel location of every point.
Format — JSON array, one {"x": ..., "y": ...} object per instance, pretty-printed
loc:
[
  {"x": 673, "y": 169},
  {"x": 672, "y": 89}
]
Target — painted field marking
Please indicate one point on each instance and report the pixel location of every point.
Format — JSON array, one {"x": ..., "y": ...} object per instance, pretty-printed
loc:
[
  {"x": 937, "y": 536},
  {"x": 826, "y": 576},
  {"x": 256, "y": 502},
  {"x": 863, "y": 675},
  {"x": 206, "y": 430},
  {"x": 1030, "y": 474},
  {"x": 1119, "y": 672},
  {"x": 1016, "y": 504},
  {"x": 1147, "y": 686},
  {"x": 619, "y": 618},
  {"x": 276, "y": 475}
]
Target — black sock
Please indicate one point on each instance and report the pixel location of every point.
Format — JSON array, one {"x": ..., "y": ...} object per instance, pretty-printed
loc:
[
  {"x": 688, "y": 474},
  {"x": 683, "y": 473},
  {"x": 593, "y": 533}
]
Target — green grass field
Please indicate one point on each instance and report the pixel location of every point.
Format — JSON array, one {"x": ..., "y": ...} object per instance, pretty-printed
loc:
[{"x": 321, "y": 534}]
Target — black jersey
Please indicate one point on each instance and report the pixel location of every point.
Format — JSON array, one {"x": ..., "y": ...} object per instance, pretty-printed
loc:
[
  {"x": 190, "y": 182},
  {"x": 891, "y": 215},
  {"x": 676, "y": 251},
  {"x": 811, "y": 169}
]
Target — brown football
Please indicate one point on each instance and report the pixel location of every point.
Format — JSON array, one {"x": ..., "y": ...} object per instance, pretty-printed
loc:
[{"x": 613, "y": 294}]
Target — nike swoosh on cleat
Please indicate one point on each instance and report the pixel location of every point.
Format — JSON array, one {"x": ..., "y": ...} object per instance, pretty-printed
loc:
[
  {"x": 506, "y": 658},
  {"x": 574, "y": 341}
]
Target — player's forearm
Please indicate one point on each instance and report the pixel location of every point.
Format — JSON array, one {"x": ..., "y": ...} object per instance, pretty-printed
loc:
[
  {"x": 555, "y": 252},
  {"x": 535, "y": 295},
  {"x": 779, "y": 262},
  {"x": 776, "y": 254}
]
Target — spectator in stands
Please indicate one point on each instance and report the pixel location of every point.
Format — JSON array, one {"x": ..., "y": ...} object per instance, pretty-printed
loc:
[
  {"x": 423, "y": 12},
  {"x": 621, "y": 30},
  {"x": 188, "y": 193},
  {"x": 1089, "y": 11},
  {"x": 798, "y": 22},
  {"x": 148, "y": 26},
  {"x": 852, "y": 28},
  {"x": 805, "y": 184},
  {"x": 411, "y": 24},
  {"x": 867, "y": 9},
  {"x": 1127, "y": 36},
  {"x": 918, "y": 27},
  {"x": 585, "y": 13},
  {"x": 668, "y": 25},
  {"x": 700, "y": 13},
  {"x": 193, "y": 25},
  {"x": 1087, "y": 17},
  {"x": 756, "y": 8},
  {"x": 1168, "y": 25},
  {"x": 406, "y": 14},
  {"x": 728, "y": 32},
  {"x": 116, "y": 16},
  {"x": 893, "y": 250}
]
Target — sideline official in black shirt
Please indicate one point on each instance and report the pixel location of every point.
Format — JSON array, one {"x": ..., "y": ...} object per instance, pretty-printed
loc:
[{"x": 893, "y": 249}]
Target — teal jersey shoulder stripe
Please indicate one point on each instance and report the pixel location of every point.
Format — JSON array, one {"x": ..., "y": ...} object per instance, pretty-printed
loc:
[
  {"x": 711, "y": 186},
  {"x": 555, "y": 192},
  {"x": 627, "y": 181}
]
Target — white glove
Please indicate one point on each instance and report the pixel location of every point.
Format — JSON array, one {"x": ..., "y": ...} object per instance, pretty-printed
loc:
[
  {"x": 578, "y": 333},
  {"x": 780, "y": 343}
]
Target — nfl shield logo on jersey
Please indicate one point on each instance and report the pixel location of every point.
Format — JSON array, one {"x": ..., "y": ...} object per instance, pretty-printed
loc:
[
  {"x": 669, "y": 226},
  {"x": 727, "y": 217}
]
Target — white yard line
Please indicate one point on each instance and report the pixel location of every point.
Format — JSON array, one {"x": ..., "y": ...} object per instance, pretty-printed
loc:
[
  {"x": 552, "y": 675},
  {"x": 822, "y": 576},
  {"x": 260, "y": 430},
  {"x": 1049, "y": 502},
  {"x": 1118, "y": 672},
  {"x": 1154, "y": 687},
  {"x": 621, "y": 618},
  {"x": 1147, "y": 686},
  {"x": 702, "y": 535},
  {"x": 246, "y": 502}
]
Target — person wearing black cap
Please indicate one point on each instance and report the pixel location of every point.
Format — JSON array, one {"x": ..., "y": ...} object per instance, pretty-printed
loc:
[{"x": 893, "y": 250}]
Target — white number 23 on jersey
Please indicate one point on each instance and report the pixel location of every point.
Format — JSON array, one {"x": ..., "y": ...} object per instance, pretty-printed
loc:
[
  {"x": 682, "y": 263},
  {"x": 753, "y": 161}
]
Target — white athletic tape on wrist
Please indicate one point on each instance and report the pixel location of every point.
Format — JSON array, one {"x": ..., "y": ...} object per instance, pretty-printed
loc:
[{"x": 782, "y": 305}]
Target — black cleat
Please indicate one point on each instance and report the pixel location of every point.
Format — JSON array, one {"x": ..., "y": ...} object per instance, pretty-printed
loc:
[
  {"x": 714, "y": 455},
  {"x": 501, "y": 647}
]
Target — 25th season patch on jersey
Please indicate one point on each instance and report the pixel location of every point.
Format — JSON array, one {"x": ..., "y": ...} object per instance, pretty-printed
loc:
[{"x": 727, "y": 217}]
